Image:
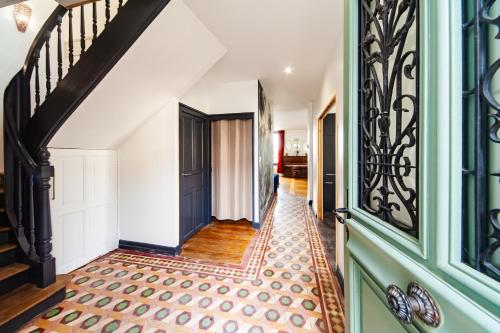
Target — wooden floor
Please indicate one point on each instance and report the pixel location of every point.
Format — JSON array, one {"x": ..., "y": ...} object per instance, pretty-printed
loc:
[
  {"x": 293, "y": 186},
  {"x": 227, "y": 241},
  {"x": 223, "y": 242}
]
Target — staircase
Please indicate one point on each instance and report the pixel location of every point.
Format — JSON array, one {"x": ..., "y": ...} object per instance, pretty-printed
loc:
[{"x": 71, "y": 54}]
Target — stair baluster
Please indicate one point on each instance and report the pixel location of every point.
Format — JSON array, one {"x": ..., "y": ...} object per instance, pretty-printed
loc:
[
  {"x": 70, "y": 38},
  {"x": 108, "y": 12},
  {"x": 47, "y": 64},
  {"x": 59, "y": 50},
  {"x": 82, "y": 30},
  {"x": 36, "y": 57},
  {"x": 94, "y": 20}
]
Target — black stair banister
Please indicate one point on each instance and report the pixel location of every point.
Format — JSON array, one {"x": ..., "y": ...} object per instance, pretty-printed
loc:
[
  {"x": 133, "y": 18},
  {"x": 30, "y": 125},
  {"x": 32, "y": 116}
]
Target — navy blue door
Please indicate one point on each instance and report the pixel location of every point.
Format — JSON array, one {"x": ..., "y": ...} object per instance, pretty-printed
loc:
[
  {"x": 329, "y": 163},
  {"x": 194, "y": 172}
]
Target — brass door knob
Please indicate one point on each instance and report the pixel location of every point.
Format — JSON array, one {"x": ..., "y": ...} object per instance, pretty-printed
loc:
[{"x": 417, "y": 302}]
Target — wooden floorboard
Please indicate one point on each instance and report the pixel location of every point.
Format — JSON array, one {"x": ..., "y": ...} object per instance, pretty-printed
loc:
[
  {"x": 221, "y": 241},
  {"x": 293, "y": 186},
  {"x": 27, "y": 296}
]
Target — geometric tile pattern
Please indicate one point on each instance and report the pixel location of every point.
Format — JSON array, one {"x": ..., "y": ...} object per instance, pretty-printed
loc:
[
  {"x": 294, "y": 290},
  {"x": 248, "y": 269}
]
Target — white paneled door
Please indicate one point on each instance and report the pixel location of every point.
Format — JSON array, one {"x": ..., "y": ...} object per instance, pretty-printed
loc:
[{"x": 84, "y": 206}]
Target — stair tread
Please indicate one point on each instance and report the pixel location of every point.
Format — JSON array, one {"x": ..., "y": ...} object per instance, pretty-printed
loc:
[
  {"x": 26, "y": 297},
  {"x": 7, "y": 247},
  {"x": 4, "y": 229},
  {"x": 11, "y": 270}
]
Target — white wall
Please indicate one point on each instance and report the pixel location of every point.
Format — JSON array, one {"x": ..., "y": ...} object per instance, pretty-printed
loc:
[
  {"x": 14, "y": 46},
  {"x": 149, "y": 180},
  {"x": 332, "y": 83},
  {"x": 84, "y": 208},
  {"x": 290, "y": 137}
]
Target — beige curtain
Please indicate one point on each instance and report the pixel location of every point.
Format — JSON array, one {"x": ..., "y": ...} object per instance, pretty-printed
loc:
[{"x": 232, "y": 169}]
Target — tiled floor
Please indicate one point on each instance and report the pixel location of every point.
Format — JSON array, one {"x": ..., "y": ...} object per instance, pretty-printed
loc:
[
  {"x": 326, "y": 230},
  {"x": 283, "y": 285}
]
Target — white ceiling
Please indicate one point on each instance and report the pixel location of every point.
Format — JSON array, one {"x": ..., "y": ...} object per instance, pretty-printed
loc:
[
  {"x": 265, "y": 36},
  {"x": 290, "y": 120}
]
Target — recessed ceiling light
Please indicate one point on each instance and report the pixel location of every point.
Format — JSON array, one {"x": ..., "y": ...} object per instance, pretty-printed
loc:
[{"x": 288, "y": 70}]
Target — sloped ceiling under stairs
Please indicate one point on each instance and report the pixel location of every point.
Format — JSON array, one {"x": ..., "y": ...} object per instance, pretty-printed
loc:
[{"x": 166, "y": 61}]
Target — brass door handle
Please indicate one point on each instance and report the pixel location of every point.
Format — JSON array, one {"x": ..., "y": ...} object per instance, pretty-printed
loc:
[{"x": 417, "y": 302}]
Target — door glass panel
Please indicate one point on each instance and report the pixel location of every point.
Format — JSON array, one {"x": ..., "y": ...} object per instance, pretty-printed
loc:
[
  {"x": 481, "y": 136},
  {"x": 388, "y": 111}
]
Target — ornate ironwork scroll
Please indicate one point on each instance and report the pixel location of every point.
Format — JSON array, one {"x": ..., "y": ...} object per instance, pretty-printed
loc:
[
  {"x": 481, "y": 126},
  {"x": 388, "y": 111}
]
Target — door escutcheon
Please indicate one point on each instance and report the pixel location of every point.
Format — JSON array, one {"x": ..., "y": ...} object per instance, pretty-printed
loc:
[{"x": 418, "y": 302}]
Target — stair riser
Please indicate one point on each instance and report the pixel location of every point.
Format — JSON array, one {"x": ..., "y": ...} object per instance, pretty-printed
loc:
[
  {"x": 29, "y": 314},
  {"x": 3, "y": 219},
  {"x": 14, "y": 282},
  {"x": 4, "y": 237},
  {"x": 7, "y": 258}
]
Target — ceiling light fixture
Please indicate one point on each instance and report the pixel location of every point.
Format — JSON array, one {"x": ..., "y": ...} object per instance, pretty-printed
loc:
[
  {"x": 22, "y": 15},
  {"x": 288, "y": 70}
]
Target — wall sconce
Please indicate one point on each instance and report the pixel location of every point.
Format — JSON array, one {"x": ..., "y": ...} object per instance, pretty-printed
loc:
[{"x": 22, "y": 15}]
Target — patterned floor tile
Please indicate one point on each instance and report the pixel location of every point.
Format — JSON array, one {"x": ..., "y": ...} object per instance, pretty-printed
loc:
[{"x": 283, "y": 285}]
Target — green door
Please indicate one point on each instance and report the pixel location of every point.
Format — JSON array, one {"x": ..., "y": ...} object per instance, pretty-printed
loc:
[{"x": 423, "y": 120}]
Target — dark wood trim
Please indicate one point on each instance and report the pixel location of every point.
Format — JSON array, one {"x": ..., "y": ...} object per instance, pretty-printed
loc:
[
  {"x": 120, "y": 34},
  {"x": 232, "y": 116},
  {"x": 151, "y": 248}
]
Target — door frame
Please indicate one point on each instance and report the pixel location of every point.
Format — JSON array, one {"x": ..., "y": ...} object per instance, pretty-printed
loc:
[
  {"x": 436, "y": 254},
  {"x": 321, "y": 117},
  {"x": 237, "y": 116},
  {"x": 207, "y": 200}
]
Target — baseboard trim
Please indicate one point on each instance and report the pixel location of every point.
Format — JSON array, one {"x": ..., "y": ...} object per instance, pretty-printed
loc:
[
  {"x": 152, "y": 248},
  {"x": 340, "y": 278}
]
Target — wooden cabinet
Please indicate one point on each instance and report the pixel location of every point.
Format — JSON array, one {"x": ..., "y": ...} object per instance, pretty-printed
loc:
[{"x": 295, "y": 166}]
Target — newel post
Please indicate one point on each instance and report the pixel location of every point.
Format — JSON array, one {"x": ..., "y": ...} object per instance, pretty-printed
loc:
[{"x": 43, "y": 228}]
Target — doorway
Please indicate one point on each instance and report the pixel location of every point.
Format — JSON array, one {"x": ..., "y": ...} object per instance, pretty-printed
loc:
[
  {"x": 216, "y": 184},
  {"x": 326, "y": 160}
]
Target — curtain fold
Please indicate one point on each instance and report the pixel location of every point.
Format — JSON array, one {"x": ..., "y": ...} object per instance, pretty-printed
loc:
[
  {"x": 232, "y": 169},
  {"x": 281, "y": 150}
]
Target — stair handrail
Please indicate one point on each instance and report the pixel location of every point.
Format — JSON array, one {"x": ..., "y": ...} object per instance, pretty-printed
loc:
[
  {"x": 49, "y": 26},
  {"x": 29, "y": 125}
]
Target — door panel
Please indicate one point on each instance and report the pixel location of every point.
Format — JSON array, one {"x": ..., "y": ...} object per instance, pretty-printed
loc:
[
  {"x": 194, "y": 171},
  {"x": 83, "y": 206},
  {"x": 395, "y": 236},
  {"x": 329, "y": 145}
]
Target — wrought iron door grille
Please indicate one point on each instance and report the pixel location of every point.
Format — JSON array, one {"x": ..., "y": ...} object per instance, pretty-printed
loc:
[
  {"x": 481, "y": 136},
  {"x": 388, "y": 111}
]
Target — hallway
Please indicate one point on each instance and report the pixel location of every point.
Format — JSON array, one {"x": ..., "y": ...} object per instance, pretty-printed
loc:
[{"x": 284, "y": 284}]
